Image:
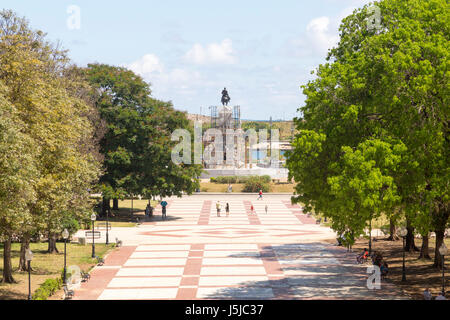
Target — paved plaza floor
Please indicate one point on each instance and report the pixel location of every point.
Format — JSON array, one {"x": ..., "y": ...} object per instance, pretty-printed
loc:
[{"x": 195, "y": 254}]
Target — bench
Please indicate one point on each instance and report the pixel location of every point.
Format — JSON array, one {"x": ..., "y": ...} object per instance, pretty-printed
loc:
[
  {"x": 104, "y": 225},
  {"x": 100, "y": 261},
  {"x": 85, "y": 276},
  {"x": 97, "y": 234},
  {"x": 68, "y": 294}
]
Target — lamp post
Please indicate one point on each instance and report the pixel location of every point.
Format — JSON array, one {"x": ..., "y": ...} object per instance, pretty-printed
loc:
[
  {"x": 443, "y": 251},
  {"x": 28, "y": 258},
  {"x": 93, "y": 218},
  {"x": 403, "y": 233},
  {"x": 65, "y": 235},
  {"x": 107, "y": 226}
]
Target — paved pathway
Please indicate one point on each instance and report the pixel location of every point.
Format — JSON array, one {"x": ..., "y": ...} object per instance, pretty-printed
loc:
[{"x": 197, "y": 255}]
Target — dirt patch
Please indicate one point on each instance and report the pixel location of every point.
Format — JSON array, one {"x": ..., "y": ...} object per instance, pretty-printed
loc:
[{"x": 420, "y": 273}]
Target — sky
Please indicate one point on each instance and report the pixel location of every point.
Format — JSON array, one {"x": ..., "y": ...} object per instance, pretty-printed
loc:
[{"x": 262, "y": 51}]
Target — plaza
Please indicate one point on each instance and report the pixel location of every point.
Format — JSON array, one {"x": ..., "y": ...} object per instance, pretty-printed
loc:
[{"x": 195, "y": 254}]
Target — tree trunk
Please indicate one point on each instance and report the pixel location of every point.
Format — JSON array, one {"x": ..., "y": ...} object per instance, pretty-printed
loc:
[
  {"x": 24, "y": 245},
  {"x": 115, "y": 204},
  {"x": 392, "y": 231},
  {"x": 52, "y": 244},
  {"x": 7, "y": 266},
  {"x": 437, "y": 255},
  {"x": 424, "y": 250},
  {"x": 409, "y": 244},
  {"x": 106, "y": 205}
]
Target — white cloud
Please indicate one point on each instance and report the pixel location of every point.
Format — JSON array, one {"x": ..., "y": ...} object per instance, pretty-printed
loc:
[
  {"x": 321, "y": 35},
  {"x": 147, "y": 65},
  {"x": 214, "y": 53},
  {"x": 180, "y": 77},
  {"x": 167, "y": 82}
]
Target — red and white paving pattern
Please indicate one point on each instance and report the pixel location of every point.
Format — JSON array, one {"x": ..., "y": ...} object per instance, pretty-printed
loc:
[{"x": 197, "y": 255}]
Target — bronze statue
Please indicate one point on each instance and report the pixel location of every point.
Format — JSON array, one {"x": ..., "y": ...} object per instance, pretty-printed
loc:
[{"x": 225, "y": 97}]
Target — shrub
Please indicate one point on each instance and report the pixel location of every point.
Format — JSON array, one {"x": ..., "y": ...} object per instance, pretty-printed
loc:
[
  {"x": 254, "y": 184},
  {"x": 68, "y": 275},
  {"x": 226, "y": 180},
  {"x": 47, "y": 289},
  {"x": 71, "y": 224},
  {"x": 40, "y": 294},
  {"x": 240, "y": 179},
  {"x": 243, "y": 179}
]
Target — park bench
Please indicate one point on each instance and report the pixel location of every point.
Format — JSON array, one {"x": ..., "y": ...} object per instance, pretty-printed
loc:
[
  {"x": 97, "y": 234},
  {"x": 100, "y": 261},
  {"x": 104, "y": 225},
  {"x": 85, "y": 276},
  {"x": 68, "y": 294}
]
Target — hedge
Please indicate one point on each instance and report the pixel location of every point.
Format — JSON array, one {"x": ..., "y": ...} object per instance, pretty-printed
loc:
[
  {"x": 240, "y": 179},
  {"x": 254, "y": 184},
  {"x": 47, "y": 289}
]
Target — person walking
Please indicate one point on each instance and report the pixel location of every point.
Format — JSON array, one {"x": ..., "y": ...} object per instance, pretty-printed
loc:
[
  {"x": 227, "y": 209},
  {"x": 267, "y": 208},
  {"x": 164, "y": 209},
  {"x": 218, "y": 207},
  {"x": 260, "y": 195},
  {"x": 252, "y": 209}
]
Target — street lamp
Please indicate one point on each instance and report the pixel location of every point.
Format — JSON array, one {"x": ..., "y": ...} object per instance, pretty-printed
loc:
[
  {"x": 443, "y": 251},
  {"x": 403, "y": 232},
  {"x": 28, "y": 258},
  {"x": 107, "y": 226},
  {"x": 93, "y": 218},
  {"x": 65, "y": 235}
]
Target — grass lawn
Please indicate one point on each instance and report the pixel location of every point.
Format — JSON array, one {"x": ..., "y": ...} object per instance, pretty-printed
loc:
[
  {"x": 420, "y": 273},
  {"x": 46, "y": 266},
  {"x": 217, "y": 187},
  {"x": 118, "y": 224}
]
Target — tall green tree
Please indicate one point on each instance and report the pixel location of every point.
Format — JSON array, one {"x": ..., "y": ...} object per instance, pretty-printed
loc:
[
  {"x": 57, "y": 120},
  {"x": 17, "y": 174},
  {"x": 137, "y": 144},
  {"x": 387, "y": 83}
]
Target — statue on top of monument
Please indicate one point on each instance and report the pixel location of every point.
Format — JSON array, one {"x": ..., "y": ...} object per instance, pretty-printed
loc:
[{"x": 225, "y": 97}]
